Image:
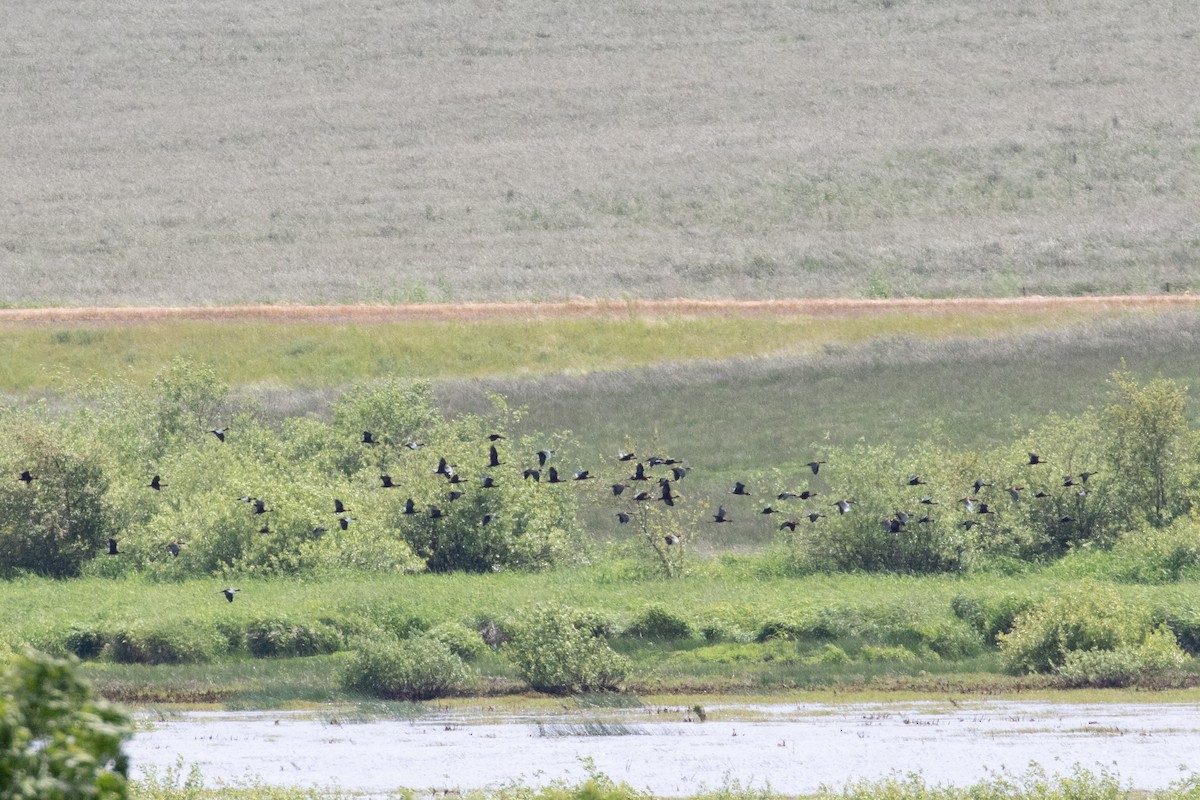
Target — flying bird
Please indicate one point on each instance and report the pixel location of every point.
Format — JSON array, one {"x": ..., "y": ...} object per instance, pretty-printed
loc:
[
  {"x": 112, "y": 548},
  {"x": 1034, "y": 458},
  {"x": 554, "y": 476},
  {"x": 622, "y": 517},
  {"x": 536, "y": 475},
  {"x": 915, "y": 480},
  {"x": 493, "y": 456},
  {"x": 345, "y": 521},
  {"x": 639, "y": 473},
  {"x": 339, "y": 507},
  {"x": 543, "y": 455},
  {"x": 156, "y": 483},
  {"x": 843, "y": 506},
  {"x": 582, "y": 475},
  {"x": 489, "y": 482},
  {"x": 387, "y": 482},
  {"x": 721, "y": 515},
  {"x": 173, "y": 548},
  {"x": 671, "y": 539},
  {"x": 790, "y": 524},
  {"x": 409, "y": 507},
  {"x": 229, "y": 593},
  {"x": 740, "y": 488},
  {"x": 617, "y": 488},
  {"x": 495, "y": 437},
  {"x": 815, "y": 466},
  {"x": 25, "y": 477},
  {"x": 219, "y": 433},
  {"x": 623, "y": 456},
  {"x": 369, "y": 438},
  {"x": 260, "y": 506}
]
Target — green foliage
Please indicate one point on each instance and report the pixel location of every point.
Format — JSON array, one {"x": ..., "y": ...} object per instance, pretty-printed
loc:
[
  {"x": 52, "y": 524},
  {"x": 462, "y": 641},
  {"x": 1159, "y": 555},
  {"x": 164, "y": 643},
  {"x": 57, "y": 742},
  {"x": 658, "y": 622},
  {"x": 1124, "y": 665},
  {"x": 421, "y": 668},
  {"x": 1088, "y": 616},
  {"x": 1152, "y": 449},
  {"x": 556, "y": 651},
  {"x": 281, "y": 637},
  {"x": 994, "y": 616}
]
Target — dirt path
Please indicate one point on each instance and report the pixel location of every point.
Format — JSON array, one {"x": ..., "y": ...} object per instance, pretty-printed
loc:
[{"x": 582, "y": 309}]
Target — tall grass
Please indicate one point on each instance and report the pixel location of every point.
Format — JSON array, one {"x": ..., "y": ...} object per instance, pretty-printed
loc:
[{"x": 303, "y": 354}]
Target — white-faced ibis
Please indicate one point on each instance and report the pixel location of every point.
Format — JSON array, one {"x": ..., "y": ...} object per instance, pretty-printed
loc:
[
  {"x": 671, "y": 539},
  {"x": 721, "y": 515},
  {"x": 790, "y": 524},
  {"x": 339, "y": 507},
  {"x": 622, "y": 517},
  {"x": 495, "y": 437},
  {"x": 543, "y": 456},
  {"x": 814, "y": 516},
  {"x": 25, "y": 477},
  {"x": 369, "y": 438},
  {"x": 639, "y": 473},
  {"x": 174, "y": 547},
  {"x": 678, "y": 473},
  {"x": 583, "y": 475},
  {"x": 843, "y": 506},
  {"x": 979, "y": 484},
  {"x": 623, "y": 456},
  {"x": 554, "y": 476},
  {"x": 112, "y": 548},
  {"x": 915, "y": 480},
  {"x": 928, "y": 501},
  {"x": 435, "y": 512},
  {"x": 493, "y": 456},
  {"x": 1015, "y": 493},
  {"x": 219, "y": 433},
  {"x": 815, "y": 466},
  {"x": 768, "y": 510},
  {"x": 156, "y": 483},
  {"x": 260, "y": 506},
  {"x": 617, "y": 488},
  {"x": 387, "y": 482},
  {"x": 1034, "y": 458},
  {"x": 533, "y": 474},
  {"x": 409, "y": 507},
  {"x": 344, "y": 521},
  {"x": 489, "y": 482},
  {"x": 740, "y": 488},
  {"x": 229, "y": 593},
  {"x": 1084, "y": 476}
]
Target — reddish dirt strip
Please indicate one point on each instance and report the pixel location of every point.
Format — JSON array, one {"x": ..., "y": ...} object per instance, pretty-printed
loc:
[{"x": 589, "y": 309}]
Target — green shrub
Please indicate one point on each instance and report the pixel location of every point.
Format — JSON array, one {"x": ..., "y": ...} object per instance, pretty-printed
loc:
[
  {"x": 658, "y": 622},
  {"x": 462, "y": 641},
  {"x": 282, "y": 638},
  {"x": 414, "y": 669},
  {"x": 1085, "y": 617},
  {"x": 831, "y": 655},
  {"x": 900, "y": 655},
  {"x": 56, "y": 740},
  {"x": 1158, "y": 555},
  {"x": 1125, "y": 665},
  {"x": 158, "y": 644},
  {"x": 556, "y": 651},
  {"x": 993, "y": 617},
  {"x": 85, "y": 643}
]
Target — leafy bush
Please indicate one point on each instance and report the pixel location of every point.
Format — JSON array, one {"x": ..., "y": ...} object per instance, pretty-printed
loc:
[
  {"x": 56, "y": 740},
  {"x": 280, "y": 637},
  {"x": 1085, "y": 617},
  {"x": 148, "y": 643},
  {"x": 85, "y": 643},
  {"x": 462, "y": 641},
  {"x": 1125, "y": 665},
  {"x": 1158, "y": 555},
  {"x": 658, "y": 622},
  {"x": 414, "y": 669},
  {"x": 555, "y": 651},
  {"x": 993, "y": 617},
  {"x": 900, "y": 655},
  {"x": 54, "y": 522}
]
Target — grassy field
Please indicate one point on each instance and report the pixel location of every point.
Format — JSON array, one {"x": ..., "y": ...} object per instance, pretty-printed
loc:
[{"x": 430, "y": 151}]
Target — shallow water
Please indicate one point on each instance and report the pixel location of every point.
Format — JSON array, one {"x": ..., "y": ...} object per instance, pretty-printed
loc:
[{"x": 792, "y": 748}]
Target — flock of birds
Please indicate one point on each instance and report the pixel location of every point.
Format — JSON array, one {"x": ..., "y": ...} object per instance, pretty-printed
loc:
[{"x": 627, "y": 489}]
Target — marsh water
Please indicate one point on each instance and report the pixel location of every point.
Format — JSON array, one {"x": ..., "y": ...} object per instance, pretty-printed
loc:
[{"x": 792, "y": 748}]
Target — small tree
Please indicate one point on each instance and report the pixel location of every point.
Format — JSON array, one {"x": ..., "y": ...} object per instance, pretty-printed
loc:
[
  {"x": 57, "y": 742},
  {"x": 1150, "y": 444}
]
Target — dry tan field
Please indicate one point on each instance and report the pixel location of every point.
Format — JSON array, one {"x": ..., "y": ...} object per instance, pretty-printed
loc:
[{"x": 189, "y": 153}]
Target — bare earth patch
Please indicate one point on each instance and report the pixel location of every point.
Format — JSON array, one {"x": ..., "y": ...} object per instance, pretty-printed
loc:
[{"x": 588, "y": 309}]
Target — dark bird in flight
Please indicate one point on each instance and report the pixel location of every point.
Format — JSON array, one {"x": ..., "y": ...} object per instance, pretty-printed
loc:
[
  {"x": 1040, "y": 494},
  {"x": 454, "y": 479},
  {"x": 532, "y": 473},
  {"x": 928, "y": 501},
  {"x": 488, "y": 519},
  {"x": 623, "y": 456},
  {"x": 843, "y": 506},
  {"x": 229, "y": 593},
  {"x": 489, "y": 482},
  {"x": 969, "y": 523},
  {"x": 156, "y": 483},
  {"x": 739, "y": 488},
  {"x": 339, "y": 507},
  {"x": 980, "y": 483},
  {"x": 815, "y": 466},
  {"x": 112, "y": 548},
  {"x": 721, "y": 515},
  {"x": 443, "y": 468},
  {"x": 1084, "y": 476},
  {"x": 639, "y": 473},
  {"x": 806, "y": 494},
  {"x": 668, "y": 496},
  {"x": 345, "y": 521},
  {"x": 173, "y": 548},
  {"x": 454, "y": 495},
  {"x": 493, "y": 456},
  {"x": 582, "y": 475},
  {"x": 1034, "y": 458},
  {"x": 893, "y": 525},
  {"x": 495, "y": 437},
  {"x": 554, "y": 476},
  {"x": 814, "y": 516},
  {"x": 414, "y": 445},
  {"x": 265, "y": 529},
  {"x": 543, "y": 455},
  {"x": 768, "y": 510},
  {"x": 219, "y": 433},
  {"x": 671, "y": 539},
  {"x": 617, "y": 488},
  {"x": 1068, "y": 480},
  {"x": 435, "y": 512},
  {"x": 409, "y": 506},
  {"x": 1015, "y": 493},
  {"x": 25, "y": 477},
  {"x": 790, "y": 524},
  {"x": 643, "y": 497},
  {"x": 678, "y": 473},
  {"x": 260, "y": 506},
  {"x": 387, "y": 482},
  {"x": 622, "y": 517},
  {"x": 915, "y": 480},
  {"x": 369, "y": 438}
]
